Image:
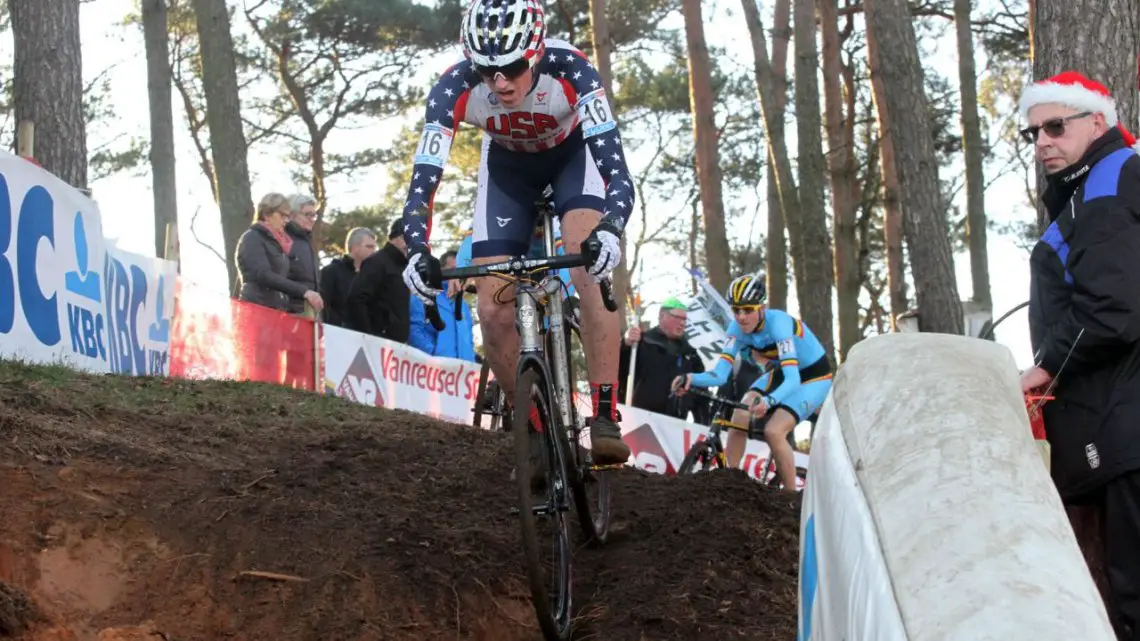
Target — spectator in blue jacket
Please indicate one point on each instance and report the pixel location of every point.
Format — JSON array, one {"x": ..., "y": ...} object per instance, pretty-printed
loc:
[{"x": 456, "y": 339}]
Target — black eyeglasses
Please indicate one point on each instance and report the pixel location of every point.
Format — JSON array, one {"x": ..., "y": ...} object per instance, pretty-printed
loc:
[
  {"x": 510, "y": 72},
  {"x": 1054, "y": 128}
]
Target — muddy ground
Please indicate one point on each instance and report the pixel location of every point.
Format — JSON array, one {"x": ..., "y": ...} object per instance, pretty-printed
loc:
[{"x": 146, "y": 509}]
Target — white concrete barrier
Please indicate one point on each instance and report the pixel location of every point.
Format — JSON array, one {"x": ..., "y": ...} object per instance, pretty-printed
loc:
[{"x": 928, "y": 515}]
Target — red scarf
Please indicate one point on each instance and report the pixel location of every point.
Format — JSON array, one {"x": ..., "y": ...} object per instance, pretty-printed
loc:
[{"x": 283, "y": 239}]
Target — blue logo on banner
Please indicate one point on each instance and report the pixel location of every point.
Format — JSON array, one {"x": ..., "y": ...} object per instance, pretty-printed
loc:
[
  {"x": 82, "y": 282},
  {"x": 85, "y": 325},
  {"x": 35, "y": 223},
  {"x": 160, "y": 328},
  {"x": 102, "y": 307}
]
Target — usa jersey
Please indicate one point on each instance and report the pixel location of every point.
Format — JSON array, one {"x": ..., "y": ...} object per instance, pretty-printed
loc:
[
  {"x": 567, "y": 95},
  {"x": 794, "y": 344}
]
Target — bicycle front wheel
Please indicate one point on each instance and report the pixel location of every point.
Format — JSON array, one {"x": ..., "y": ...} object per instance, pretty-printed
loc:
[
  {"x": 699, "y": 458},
  {"x": 542, "y": 516}
]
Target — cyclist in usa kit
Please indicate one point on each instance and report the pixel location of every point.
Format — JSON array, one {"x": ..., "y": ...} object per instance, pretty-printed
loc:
[
  {"x": 802, "y": 360},
  {"x": 546, "y": 121}
]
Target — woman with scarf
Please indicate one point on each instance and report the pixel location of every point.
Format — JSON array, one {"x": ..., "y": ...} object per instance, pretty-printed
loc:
[{"x": 264, "y": 255}]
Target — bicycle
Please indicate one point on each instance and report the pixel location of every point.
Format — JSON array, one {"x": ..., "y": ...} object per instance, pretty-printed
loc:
[
  {"x": 543, "y": 382},
  {"x": 490, "y": 398},
  {"x": 710, "y": 451}
]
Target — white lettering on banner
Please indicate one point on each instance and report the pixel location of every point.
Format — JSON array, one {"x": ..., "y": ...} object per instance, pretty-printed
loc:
[{"x": 58, "y": 271}]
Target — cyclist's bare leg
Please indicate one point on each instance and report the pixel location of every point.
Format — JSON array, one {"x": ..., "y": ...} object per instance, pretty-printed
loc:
[
  {"x": 780, "y": 424},
  {"x": 601, "y": 332},
  {"x": 497, "y": 323},
  {"x": 738, "y": 440},
  {"x": 601, "y": 328}
]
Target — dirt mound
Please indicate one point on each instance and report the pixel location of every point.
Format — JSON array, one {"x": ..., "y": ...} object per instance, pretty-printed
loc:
[{"x": 145, "y": 509}]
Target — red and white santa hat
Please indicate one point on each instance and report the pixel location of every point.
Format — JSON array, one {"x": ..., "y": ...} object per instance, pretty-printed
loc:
[{"x": 1075, "y": 90}]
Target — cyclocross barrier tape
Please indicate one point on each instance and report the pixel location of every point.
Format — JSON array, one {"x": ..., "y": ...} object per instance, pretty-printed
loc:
[{"x": 928, "y": 515}]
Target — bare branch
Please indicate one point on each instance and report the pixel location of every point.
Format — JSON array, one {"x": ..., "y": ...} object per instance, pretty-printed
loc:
[{"x": 194, "y": 232}]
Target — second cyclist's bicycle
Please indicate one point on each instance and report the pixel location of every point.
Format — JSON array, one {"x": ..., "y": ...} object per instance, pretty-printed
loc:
[{"x": 708, "y": 453}]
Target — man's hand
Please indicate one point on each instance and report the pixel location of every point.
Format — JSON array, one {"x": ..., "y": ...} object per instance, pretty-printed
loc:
[
  {"x": 314, "y": 299},
  {"x": 633, "y": 335},
  {"x": 454, "y": 287},
  {"x": 603, "y": 250},
  {"x": 759, "y": 407},
  {"x": 681, "y": 384},
  {"x": 1033, "y": 378},
  {"x": 419, "y": 264}
]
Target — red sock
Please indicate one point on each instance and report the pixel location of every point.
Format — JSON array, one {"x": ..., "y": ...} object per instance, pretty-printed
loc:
[
  {"x": 535, "y": 419},
  {"x": 605, "y": 400}
]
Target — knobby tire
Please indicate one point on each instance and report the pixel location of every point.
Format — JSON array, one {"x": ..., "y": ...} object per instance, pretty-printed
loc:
[
  {"x": 591, "y": 487},
  {"x": 554, "y": 614},
  {"x": 700, "y": 452}
]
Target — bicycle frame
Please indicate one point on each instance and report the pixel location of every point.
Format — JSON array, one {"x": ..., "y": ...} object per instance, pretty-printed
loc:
[{"x": 531, "y": 344}]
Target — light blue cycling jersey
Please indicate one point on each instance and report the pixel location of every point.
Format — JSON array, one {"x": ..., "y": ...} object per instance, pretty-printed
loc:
[{"x": 779, "y": 336}]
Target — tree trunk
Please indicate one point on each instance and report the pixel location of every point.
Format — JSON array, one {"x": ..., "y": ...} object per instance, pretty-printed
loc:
[
  {"x": 159, "y": 90},
  {"x": 777, "y": 243},
  {"x": 600, "y": 36},
  {"x": 844, "y": 185},
  {"x": 47, "y": 84},
  {"x": 1088, "y": 36},
  {"x": 768, "y": 90},
  {"x": 972, "y": 146},
  {"x": 891, "y": 33},
  {"x": 705, "y": 137},
  {"x": 815, "y": 261},
  {"x": 694, "y": 231},
  {"x": 223, "y": 114}
]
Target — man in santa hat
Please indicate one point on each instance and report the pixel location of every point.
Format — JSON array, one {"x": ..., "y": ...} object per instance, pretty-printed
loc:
[{"x": 1084, "y": 316}]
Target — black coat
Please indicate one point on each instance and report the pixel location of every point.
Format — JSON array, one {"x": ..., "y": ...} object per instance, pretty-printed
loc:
[
  {"x": 659, "y": 361},
  {"x": 1084, "y": 316},
  {"x": 378, "y": 298},
  {"x": 263, "y": 270},
  {"x": 336, "y": 282},
  {"x": 303, "y": 267}
]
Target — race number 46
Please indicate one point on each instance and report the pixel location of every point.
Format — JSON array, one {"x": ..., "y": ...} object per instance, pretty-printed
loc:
[
  {"x": 594, "y": 112},
  {"x": 434, "y": 145}
]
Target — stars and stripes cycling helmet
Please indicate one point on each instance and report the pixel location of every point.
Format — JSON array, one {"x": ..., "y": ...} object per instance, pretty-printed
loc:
[
  {"x": 504, "y": 35},
  {"x": 748, "y": 289}
]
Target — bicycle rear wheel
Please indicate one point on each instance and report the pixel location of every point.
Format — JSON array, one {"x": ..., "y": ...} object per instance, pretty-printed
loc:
[
  {"x": 591, "y": 487},
  {"x": 489, "y": 389},
  {"x": 543, "y": 517}
]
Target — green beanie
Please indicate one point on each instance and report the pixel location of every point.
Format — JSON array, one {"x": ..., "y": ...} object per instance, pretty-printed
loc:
[{"x": 673, "y": 303}]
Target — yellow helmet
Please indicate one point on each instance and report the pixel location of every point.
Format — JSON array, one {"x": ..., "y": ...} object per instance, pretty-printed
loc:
[{"x": 748, "y": 289}]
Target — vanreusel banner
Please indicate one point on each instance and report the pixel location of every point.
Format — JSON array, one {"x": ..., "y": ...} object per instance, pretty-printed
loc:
[
  {"x": 378, "y": 372},
  {"x": 659, "y": 444},
  {"x": 383, "y": 373},
  {"x": 67, "y": 295}
]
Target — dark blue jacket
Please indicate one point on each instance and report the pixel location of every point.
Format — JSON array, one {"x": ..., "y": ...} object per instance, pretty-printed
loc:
[{"x": 1084, "y": 316}]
